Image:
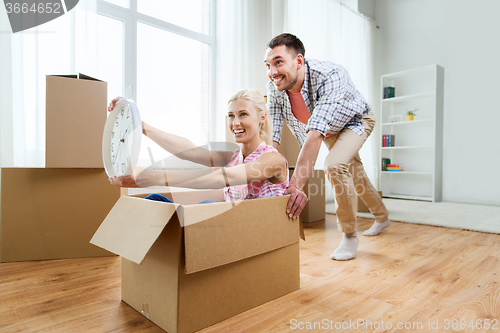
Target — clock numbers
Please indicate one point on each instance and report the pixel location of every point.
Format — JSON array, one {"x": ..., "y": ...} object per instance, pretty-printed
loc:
[{"x": 121, "y": 139}]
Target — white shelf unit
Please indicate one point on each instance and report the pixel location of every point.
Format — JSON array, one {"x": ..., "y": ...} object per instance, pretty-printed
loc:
[{"x": 419, "y": 143}]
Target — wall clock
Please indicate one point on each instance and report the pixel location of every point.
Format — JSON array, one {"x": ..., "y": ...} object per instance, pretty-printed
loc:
[{"x": 122, "y": 139}]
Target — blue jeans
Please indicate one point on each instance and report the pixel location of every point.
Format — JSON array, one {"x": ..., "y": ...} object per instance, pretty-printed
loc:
[{"x": 159, "y": 197}]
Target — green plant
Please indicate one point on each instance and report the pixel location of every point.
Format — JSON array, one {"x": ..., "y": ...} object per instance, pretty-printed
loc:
[{"x": 411, "y": 112}]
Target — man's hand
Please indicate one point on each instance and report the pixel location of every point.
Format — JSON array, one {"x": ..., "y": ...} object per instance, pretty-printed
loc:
[{"x": 296, "y": 202}]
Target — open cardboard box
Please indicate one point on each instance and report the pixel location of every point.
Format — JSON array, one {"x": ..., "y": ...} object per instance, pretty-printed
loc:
[{"x": 186, "y": 266}]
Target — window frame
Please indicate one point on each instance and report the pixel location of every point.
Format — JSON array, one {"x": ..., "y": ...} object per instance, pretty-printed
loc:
[{"x": 130, "y": 18}]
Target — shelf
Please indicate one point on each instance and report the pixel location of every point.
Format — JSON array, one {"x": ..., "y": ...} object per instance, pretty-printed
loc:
[
  {"x": 407, "y": 172},
  {"x": 408, "y": 197},
  {"x": 399, "y": 123},
  {"x": 408, "y": 147},
  {"x": 419, "y": 142},
  {"x": 421, "y": 70},
  {"x": 407, "y": 97}
]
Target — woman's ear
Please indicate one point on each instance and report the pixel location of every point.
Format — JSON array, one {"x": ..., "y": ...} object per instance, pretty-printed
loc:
[{"x": 263, "y": 118}]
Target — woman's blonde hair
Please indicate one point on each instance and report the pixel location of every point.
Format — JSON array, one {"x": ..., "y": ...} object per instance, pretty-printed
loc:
[{"x": 259, "y": 103}]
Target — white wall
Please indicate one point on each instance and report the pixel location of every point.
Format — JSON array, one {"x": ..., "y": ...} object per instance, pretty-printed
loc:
[{"x": 462, "y": 36}]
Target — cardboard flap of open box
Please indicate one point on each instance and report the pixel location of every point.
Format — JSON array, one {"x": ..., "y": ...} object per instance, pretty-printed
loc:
[{"x": 216, "y": 234}]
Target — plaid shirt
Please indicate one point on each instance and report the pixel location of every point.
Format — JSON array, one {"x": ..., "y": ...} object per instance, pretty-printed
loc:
[{"x": 331, "y": 98}]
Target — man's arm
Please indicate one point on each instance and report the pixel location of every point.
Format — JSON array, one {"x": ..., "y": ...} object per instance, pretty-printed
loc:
[
  {"x": 305, "y": 165},
  {"x": 307, "y": 159}
]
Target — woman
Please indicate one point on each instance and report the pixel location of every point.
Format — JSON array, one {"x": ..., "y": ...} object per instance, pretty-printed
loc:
[{"x": 256, "y": 170}]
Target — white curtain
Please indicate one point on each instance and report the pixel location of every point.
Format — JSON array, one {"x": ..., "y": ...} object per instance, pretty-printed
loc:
[
  {"x": 329, "y": 31},
  {"x": 334, "y": 32},
  {"x": 65, "y": 45},
  {"x": 243, "y": 29}
]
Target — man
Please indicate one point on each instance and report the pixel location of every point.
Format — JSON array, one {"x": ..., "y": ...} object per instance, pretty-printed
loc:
[{"x": 319, "y": 102}]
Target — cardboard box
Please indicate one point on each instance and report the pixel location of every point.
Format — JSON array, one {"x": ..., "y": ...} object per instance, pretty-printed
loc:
[
  {"x": 315, "y": 185},
  {"x": 315, "y": 191},
  {"x": 361, "y": 206},
  {"x": 75, "y": 117},
  {"x": 52, "y": 213},
  {"x": 289, "y": 147},
  {"x": 187, "y": 266}
]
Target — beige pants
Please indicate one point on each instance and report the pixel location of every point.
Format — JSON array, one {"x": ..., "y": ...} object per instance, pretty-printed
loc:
[{"x": 347, "y": 175}]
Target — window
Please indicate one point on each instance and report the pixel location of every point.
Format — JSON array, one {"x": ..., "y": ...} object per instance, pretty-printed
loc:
[
  {"x": 110, "y": 55},
  {"x": 189, "y": 14},
  {"x": 158, "y": 53}
]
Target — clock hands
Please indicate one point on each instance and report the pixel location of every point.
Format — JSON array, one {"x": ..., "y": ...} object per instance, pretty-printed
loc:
[{"x": 120, "y": 142}]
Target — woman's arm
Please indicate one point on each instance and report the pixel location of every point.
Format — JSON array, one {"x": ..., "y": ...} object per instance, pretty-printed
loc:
[
  {"x": 184, "y": 148},
  {"x": 271, "y": 166},
  {"x": 181, "y": 147}
]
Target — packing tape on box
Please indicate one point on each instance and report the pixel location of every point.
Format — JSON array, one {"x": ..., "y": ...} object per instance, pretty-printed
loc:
[{"x": 145, "y": 310}]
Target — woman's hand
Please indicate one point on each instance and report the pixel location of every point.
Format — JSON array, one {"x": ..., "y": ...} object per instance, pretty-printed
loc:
[
  {"x": 123, "y": 181},
  {"x": 141, "y": 178},
  {"x": 113, "y": 103}
]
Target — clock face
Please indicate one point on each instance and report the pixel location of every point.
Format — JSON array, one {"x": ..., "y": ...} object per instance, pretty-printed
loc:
[{"x": 121, "y": 141}]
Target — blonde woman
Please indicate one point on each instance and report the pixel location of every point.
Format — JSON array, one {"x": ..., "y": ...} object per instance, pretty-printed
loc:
[{"x": 256, "y": 170}]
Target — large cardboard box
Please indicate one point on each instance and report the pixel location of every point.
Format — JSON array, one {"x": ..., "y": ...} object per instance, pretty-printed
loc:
[
  {"x": 315, "y": 191},
  {"x": 52, "y": 213},
  {"x": 187, "y": 266},
  {"x": 75, "y": 118}
]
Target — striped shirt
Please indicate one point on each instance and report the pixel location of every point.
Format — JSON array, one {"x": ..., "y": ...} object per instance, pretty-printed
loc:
[
  {"x": 255, "y": 190},
  {"x": 331, "y": 98}
]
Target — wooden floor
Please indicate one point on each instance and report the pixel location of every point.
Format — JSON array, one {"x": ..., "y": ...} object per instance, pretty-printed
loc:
[{"x": 410, "y": 277}]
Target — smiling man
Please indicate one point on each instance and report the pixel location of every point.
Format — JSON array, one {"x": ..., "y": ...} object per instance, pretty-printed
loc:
[{"x": 319, "y": 103}]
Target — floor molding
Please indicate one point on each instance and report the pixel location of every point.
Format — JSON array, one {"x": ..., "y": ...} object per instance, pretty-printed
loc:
[{"x": 441, "y": 214}]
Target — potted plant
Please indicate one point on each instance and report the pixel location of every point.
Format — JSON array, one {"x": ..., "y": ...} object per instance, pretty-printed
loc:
[{"x": 410, "y": 114}]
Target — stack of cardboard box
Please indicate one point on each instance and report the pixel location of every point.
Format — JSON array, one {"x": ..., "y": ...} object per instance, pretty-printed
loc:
[{"x": 52, "y": 212}]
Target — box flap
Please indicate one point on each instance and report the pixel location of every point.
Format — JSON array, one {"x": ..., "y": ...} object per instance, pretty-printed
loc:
[
  {"x": 132, "y": 226},
  {"x": 86, "y": 77},
  {"x": 69, "y": 76},
  {"x": 247, "y": 229}
]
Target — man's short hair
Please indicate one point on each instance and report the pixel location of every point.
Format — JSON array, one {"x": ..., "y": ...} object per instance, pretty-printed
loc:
[{"x": 290, "y": 41}]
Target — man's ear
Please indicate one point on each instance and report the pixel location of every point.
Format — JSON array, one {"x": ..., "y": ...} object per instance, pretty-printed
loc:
[{"x": 300, "y": 61}]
